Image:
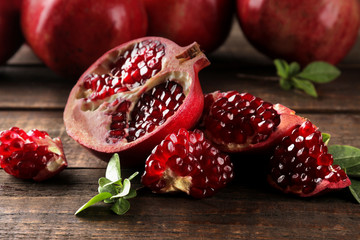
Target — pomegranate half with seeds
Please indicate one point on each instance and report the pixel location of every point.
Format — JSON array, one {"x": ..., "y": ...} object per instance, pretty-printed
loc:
[
  {"x": 241, "y": 122},
  {"x": 135, "y": 95}
]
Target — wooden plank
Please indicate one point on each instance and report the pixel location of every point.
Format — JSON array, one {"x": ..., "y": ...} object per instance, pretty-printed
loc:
[{"x": 243, "y": 210}]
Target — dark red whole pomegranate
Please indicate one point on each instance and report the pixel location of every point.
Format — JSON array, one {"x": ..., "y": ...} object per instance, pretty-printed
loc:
[
  {"x": 301, "y": 164},
  {"x": 208, "y": 22},
  {"x": 10, "y": 32},
  {"x": 241, "y": 122},
  {"x": 33, "y": 155},
  {"x": 301, "y": 30},
  {"x": 187, "y": 162},
  {"x": 135, "y": 95},
  {"x": 68, "y": 36}
]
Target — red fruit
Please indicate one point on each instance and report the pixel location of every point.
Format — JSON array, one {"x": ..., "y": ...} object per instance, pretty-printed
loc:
[
  {"x": 10, "y": 32},
  {"x": 135, "y": 95},
  {"x": 301, "y": 30},
  {"x": 31, "y": 155},
  {"x": 68, "y": 36},
  {"x": 240, "y": 122},
  {"x": 302, "y": 165},
  {"x": 207, "y": 22},
  {"x": 186, "y": 161}
]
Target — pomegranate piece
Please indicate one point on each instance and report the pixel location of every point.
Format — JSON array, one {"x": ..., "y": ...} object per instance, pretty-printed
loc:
[
  {"x": 302, "y": 165},
  {"x": 186, "y": 161},
  {"x": 238, "y": 122},
  {"x": 32, "y": 155},
  {"x": 135, "y": 95}
]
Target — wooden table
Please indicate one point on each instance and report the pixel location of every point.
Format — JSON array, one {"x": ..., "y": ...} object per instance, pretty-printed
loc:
[{"x": 31, "y": 96}]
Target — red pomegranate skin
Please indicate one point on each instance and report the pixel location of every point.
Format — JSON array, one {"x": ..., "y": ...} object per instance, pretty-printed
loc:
[
  {"x": 300, "y": 30},
  {"x": 10, "y": 33},
  {"x": 68, "y": 36},
  {"x": 206, "y": 22}
]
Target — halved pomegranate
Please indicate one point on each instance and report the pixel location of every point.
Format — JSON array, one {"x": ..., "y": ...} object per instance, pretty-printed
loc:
[
  {"x": 241, "y": 122},
  {"x": 135, "y": 95}
]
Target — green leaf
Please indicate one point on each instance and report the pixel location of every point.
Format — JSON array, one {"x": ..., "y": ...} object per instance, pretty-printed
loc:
[
  {"x": 121, "y": 206},
  {"x": 124, "y": 190},
  {"x": 133, "y": 175},
  {"x": 98, "y": 198},
  {"x": 326, "y": 138},
  {"x": 353, "y": 171},
  {"x": 113, "y": 172},
  {"x": 355, "y": 189},
  {"x": 294, "y": 69},
  {"x": 285, "y": 83},
  {"x": 305, "y": 85},
  {"x": 282, "y": 68},
  {"x": 320, "y": 72},
  {"x": 131, "y": 194},
  {"x": 345, "y": 156}
]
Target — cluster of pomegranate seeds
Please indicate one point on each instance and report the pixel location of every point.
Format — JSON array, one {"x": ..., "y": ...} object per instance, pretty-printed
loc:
[
  {"x": 132, "y": 69},
  {"x": 152, "y": 110},
  {"x": 239, "y": 118},
  {"x": 301, "y": 161},
  {"x": 20, "y": 153},
  {"x": 186, "y": 161}
]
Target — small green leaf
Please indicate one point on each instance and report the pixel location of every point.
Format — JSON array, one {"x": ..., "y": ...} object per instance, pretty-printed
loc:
[
  {"x": 305, "y": 85},
  {"x": 353, "y": 171},
  {"x": 113, "y": 172},
  {"x": 294, "y": 69},
  {"x": 131, "y": 194},
  {"x": 133, "y": 175},
  {"x": 345, "y": 156},
  {"x": 326, "y": 138},
  {"x": 355, "y": 189},
  {"x": 124, "y": 190},
  {"x": 121, "y": 206},
  {"x": 102, "y": 181},
  {"x": 285, "y": 83},
  {"x": 98, "y": 198},
  {"x": 282, "y": 68},
  {"x": 320, "y": 72}
]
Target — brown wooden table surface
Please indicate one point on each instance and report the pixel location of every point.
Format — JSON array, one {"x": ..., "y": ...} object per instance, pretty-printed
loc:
[{"x": 31, "y": 96}]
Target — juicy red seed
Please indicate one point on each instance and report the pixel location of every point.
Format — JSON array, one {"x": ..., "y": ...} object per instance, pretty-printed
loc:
[
  {"x": 301, "y": 160},
  {"x": 244, "y": 114},
  {"x": 208, "y": 168},
  {"x": 154, "y": 108},
  {"x": 130, "y": 70}
]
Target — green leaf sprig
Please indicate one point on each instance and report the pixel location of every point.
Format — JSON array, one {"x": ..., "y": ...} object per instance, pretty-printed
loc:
[
  {"x": 112, "y": 189},
  {"x": 291, "y": 76},
  {"x": 348, "y": 158}
]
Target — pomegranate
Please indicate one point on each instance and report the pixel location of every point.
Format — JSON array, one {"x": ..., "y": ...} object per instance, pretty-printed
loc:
[
  {"x": 208, "y": 22},
  {"x": 10, "y": 33},
  {"x": 135, "y": 95},
  {"x": 33, "y": 155},
  {"x": 68, "y": 36},
  {"x": 241, "y": 122},
  {"x": 301, "y": 164},
  {"x": 187, "y": 162}
]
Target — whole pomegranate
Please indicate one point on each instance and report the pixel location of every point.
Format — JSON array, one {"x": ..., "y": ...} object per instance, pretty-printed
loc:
[
  {"x": 68, "y": 36},
  {"x": 10, "y": 32},
  {"x": 207, "y": 22},
  {"x": 300, "y": 30},
  {"x": 135, "y": 95}
]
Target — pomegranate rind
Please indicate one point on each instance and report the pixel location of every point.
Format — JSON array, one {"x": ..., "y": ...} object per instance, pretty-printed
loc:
[{"x": 89, "y": 128}]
